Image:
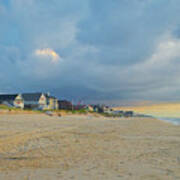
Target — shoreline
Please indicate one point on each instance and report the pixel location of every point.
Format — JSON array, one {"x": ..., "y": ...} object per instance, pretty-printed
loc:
[{"x": 174, "y": 121}]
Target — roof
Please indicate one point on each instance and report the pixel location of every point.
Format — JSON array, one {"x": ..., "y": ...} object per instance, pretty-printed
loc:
[
  {"x": 31, "y": 96},
  {"x": 64, "y": 101},
  {"x": 8, "y": 97},
  {"x": 25, "y": 96},
  {"x": 50, "y": 96}
]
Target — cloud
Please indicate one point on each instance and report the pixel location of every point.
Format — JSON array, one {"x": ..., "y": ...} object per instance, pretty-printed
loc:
[
  {"x": 111, "y": 50},
  {"x": 164, "y": 60},
  {"x": 48, "y": 53},
  {"x": 156, "y": 77}
]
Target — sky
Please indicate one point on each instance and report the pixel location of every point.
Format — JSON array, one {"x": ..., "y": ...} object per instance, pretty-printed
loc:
[{"x": 94, "y": 51}]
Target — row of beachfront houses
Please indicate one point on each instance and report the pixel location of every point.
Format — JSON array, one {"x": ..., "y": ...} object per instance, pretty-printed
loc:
[
  {"x": 30, "y": 101},
  {"x": 42, "y": 101}
]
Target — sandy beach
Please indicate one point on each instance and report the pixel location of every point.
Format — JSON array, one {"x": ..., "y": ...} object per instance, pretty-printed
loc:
[{"x": 36, "y": 146}]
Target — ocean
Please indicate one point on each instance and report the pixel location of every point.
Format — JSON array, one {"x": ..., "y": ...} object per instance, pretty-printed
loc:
[{"x": 175, "y": 121}]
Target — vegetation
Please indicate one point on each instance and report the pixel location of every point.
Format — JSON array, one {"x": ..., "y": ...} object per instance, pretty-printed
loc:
[
  {"x": 4, "y": 107},
  {"x": 81, "y": 111},
  {"x": 111, "y": 115},
  {"x": 59, "y": 111},
  {"x": 14, "y": 109}
]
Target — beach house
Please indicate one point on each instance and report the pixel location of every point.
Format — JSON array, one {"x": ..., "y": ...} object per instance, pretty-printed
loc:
[
  {"x": 39, "y": 101},
  {"x": 12, "y": 100},
  {"x": 64, "y": 104},
  {"x": 52, "y": 102}
]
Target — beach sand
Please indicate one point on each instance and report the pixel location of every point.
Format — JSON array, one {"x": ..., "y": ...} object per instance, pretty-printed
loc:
[{"x": 36, "y": 146}]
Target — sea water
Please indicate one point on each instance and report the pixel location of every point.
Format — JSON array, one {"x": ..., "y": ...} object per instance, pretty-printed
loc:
[{"x": 175, "y": 121}]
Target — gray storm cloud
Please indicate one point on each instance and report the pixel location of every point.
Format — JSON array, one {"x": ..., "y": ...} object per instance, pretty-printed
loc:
[{"x": 116, "y": 50}]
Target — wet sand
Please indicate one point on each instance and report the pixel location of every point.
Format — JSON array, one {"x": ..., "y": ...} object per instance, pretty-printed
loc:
[{"x": 87, "y": 148}]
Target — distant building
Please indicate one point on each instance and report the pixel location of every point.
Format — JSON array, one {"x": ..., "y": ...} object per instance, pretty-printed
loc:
[
  {"x": 106, "y": 109},
  {"x": 79, "y": 107},
  {"x": 90, "y": 108},
  {"x": 64, "y": 104},
  {"x": 98, "y": 108},
  {"x": 128, "y": 113}
]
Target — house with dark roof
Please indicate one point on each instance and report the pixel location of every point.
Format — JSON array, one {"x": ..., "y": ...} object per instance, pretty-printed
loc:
[
  {"x": 39, "y": 101},
  {"x": 64, "y": 104},
  {"x": 34, "y": 100},
  {"x": 30, "y": 101},
  {"x": 14, "y": 100}
]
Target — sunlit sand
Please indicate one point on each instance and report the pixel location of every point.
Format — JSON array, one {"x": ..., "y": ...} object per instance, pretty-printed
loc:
[{"x": 86, "y": 147}]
